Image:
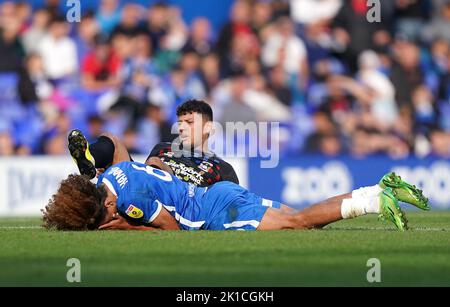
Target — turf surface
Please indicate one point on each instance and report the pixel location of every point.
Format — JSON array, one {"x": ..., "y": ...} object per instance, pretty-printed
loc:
[{"x": 334, "y": 256}]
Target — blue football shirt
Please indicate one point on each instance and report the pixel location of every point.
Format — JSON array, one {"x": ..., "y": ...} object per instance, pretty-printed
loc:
[{"x": 142, "y": 191}]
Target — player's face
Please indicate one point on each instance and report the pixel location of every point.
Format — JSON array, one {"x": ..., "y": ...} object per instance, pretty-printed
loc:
[{"x": 192, "y": 130}]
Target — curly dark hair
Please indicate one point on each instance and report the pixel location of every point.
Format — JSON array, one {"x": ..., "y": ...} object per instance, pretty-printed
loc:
[
  {"x": 195, "y": 106},
  {"x": 77, "y": 205}
]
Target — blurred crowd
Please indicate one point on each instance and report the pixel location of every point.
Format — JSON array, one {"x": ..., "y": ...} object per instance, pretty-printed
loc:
[{"x": 336, "y": 83}]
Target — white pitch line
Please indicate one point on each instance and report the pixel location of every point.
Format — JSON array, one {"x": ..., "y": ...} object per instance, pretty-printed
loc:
[
  {"x": 431, "y": 229},
  {"x": 20, "y": 227},
  {"x": 331, "y": 228},
  {"x": 383, "y": 228}
]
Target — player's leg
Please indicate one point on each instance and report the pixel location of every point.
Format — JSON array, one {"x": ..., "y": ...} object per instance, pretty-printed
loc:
[
  {"x": 120, "y": 150},
  {"x": 288, "y": 210},
  {"x": 404, "y": 191},
  {"x": 80, "y": 152},
  {"x": 315, "y": 216},
  {"x": 107, "y": 150},
  {"x": 334, "y": 209},
  {"x": 247, "y": 211}
]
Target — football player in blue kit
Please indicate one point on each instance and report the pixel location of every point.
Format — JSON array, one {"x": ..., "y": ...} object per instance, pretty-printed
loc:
[
  {"x": 142, "y": 192},
  {"x": 155, "y": 199}
]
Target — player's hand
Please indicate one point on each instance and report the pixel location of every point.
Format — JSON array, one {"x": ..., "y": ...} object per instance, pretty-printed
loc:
[{"x": 118, "y": 223}]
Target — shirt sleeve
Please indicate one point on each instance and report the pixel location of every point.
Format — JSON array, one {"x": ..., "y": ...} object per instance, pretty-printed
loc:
[{"x": 140, "y": 207}]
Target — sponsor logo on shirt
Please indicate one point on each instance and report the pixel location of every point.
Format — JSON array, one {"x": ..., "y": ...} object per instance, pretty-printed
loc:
[
  {"x": 134, "y": 212},
  {"x": 186, "y": 173}
]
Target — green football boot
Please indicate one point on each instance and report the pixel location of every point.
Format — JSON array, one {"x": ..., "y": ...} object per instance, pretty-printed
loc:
[
  {"x": 79, "y": 150},
  {"x": 404, "y": 191},
  {"x": 391, "y": 211}
]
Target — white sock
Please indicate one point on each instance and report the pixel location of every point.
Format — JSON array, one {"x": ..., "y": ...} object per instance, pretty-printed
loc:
[
  {"x": 353, "y": 207},
  {"x": 367, "y": 192}
]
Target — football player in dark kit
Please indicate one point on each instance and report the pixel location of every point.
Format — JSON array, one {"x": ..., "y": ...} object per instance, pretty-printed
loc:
[{"x": 188, "y": 157}]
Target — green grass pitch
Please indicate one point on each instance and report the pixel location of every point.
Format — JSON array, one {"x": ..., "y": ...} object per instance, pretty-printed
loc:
[{"x": 335, "y": 256}]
